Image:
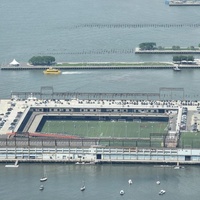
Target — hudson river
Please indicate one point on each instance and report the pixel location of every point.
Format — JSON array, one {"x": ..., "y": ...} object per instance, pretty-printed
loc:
[{"x": 96, "y": 30}]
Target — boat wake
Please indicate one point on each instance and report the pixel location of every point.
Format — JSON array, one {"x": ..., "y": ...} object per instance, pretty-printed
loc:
[{"x": 73, "y": 73}]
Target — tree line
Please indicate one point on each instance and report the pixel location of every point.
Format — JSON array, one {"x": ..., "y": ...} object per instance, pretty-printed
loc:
[{"x": 183, "y": 58}]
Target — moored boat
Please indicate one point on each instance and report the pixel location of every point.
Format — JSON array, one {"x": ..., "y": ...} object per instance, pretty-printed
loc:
[{"x": 121, "y": 192}]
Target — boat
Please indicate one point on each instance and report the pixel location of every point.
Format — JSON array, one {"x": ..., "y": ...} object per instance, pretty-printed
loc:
[
  {"x": 13, "y": 166},
  {"x": 161, "y": 192},
  {"x": 176, "y": 68},
  {"x": 121, "y": 192},
  {"x": 51, "y": 70},
  {"x": 44, "y": 178},
  {"x": 130, "y": 182},
  {"x": 178, "y": 166},
  {"x": 41, "y": 187},
  {"x": 83, "y": 187},
  {"x": 158, "y": 182}
]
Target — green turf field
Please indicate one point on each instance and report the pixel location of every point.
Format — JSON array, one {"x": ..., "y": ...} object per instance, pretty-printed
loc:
[
  {"x": 190, "y": 140},
  {"x": 105, "y": 128}
]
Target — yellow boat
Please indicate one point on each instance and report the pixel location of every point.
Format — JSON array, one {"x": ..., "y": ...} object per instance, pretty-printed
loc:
[{"x": 51, "y": 70}]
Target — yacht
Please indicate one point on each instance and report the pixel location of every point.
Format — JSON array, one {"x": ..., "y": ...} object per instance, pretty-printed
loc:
[{"x": 51, "y": 70}]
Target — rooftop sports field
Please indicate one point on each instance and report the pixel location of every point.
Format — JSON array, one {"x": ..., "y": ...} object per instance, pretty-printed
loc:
[
  {"x": 136, "y": 129},
  {"x": 190, "y": 140}
]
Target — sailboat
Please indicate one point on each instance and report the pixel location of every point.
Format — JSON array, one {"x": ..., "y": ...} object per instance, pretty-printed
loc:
[
  {"x": 41, "y": 187},
  {"x": 121, "y": 192},
  {"x": 177, "y": 166},
  {"x": 130, "y": 182},
  {"x": 44, "y": 178},
  {"x": 83, "y": 187}
]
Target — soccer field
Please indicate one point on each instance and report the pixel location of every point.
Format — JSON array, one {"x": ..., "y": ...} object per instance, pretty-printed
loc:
[
  {"x": 105, "y": 128},
  {"x": 190, "y": 140}
]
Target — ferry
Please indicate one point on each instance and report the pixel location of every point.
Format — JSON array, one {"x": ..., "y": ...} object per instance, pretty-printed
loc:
[{"x": 51, "y": 70}]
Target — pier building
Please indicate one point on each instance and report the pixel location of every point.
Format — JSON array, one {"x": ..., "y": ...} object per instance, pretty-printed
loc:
[{"x": 24, "y": 115}]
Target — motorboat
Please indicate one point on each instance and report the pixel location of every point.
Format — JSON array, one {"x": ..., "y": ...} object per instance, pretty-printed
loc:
[
  {"x": 121, "y": 192},
  {"x": 43, "y": 179},
  {"x": 51, "y": 70},
  {"x": 158, "y": 182},
  {"x": 176, "y": 68},
  {"x": 41, "y": 187},
  {"x": 130, "y": 182},
  {"x": 161, "y": 192}
]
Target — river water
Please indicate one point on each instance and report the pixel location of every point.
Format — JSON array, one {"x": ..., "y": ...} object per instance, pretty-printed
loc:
[
  {"x": 101, "y": 181},
  {"x": 104, "y": 30},
  {"x": 96, "y": 30}
]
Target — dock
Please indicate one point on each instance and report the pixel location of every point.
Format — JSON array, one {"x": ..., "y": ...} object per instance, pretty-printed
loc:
[
  {"x": 165, "y": 51},
  {"x": 109, "y": 65},
  {"x": 94, "y": 65}
]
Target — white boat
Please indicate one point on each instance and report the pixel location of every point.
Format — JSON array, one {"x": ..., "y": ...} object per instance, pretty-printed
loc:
[
  {"x": 178, "y": 166},
  {"x": 130, "y": 182},
  {"x": 121, "y": 192},
  {"x": 44, "y": 178},
  {"x": 41, "y": 187},
  {"x": 161, "y": 192},
  {"x": 83, "y": 187},
  {"x": 158, "y": 182},
  {"x": 13, "y": 166},
  {"x": 176, "y": 68}
]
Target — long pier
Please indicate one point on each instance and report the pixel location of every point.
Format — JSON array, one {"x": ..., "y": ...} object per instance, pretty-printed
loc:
[
  {"x": 184, "y": 3},
  {"x": 120, "y": 65},
  {"x": 139, "y": 51},
  {"x": 98, "y": 154},
  {"x": 99, "y": 65}
]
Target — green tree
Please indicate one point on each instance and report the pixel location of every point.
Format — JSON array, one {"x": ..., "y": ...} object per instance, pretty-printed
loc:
[
  {"x": 147, "y": 46},
  {"x": 42, "y": 60}
]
